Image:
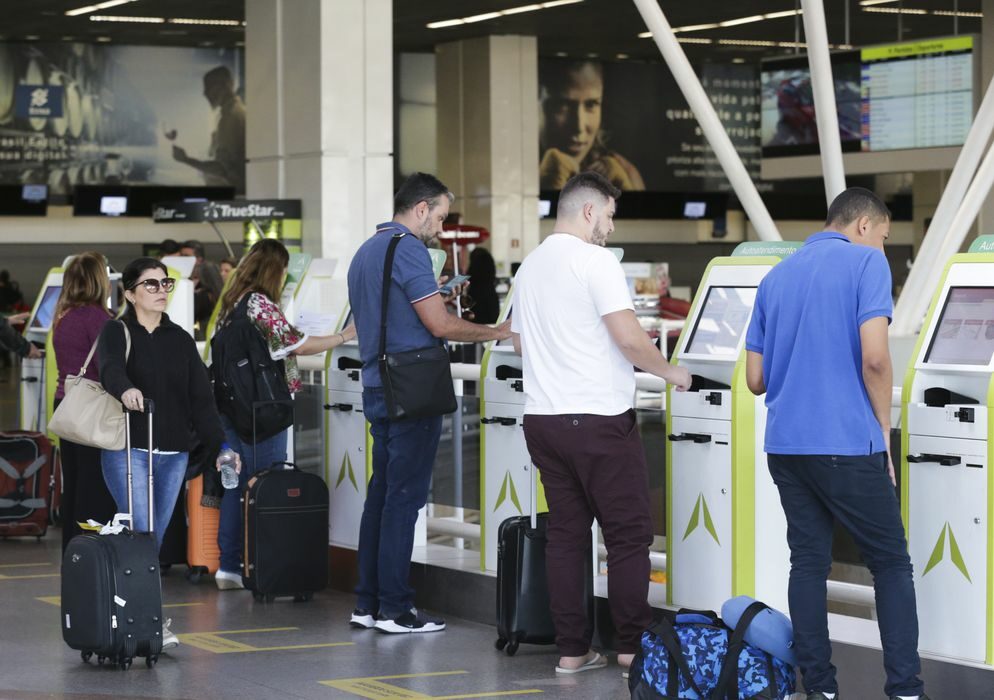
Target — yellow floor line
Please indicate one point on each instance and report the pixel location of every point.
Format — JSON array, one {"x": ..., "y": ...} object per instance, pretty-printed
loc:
[
  {"x": 21, "y": 566},
  {"x": 21, "y": 577},
  {"x": 373, "y": 688}
]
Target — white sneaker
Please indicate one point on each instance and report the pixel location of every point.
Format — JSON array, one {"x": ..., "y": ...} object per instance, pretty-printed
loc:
[
  {"x": 169, "y": 640},
  {"x": 228, "y": 580}
]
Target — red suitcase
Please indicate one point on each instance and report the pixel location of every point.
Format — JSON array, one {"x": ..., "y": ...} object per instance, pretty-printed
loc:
[{"x": 26, "y": 460}]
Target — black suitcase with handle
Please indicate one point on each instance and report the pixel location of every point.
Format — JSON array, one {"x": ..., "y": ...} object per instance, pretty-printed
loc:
[
  {"x": 286, "y": 534},
  {"x": 111, "y": 593},
  {"x": 523, "y": 610}
]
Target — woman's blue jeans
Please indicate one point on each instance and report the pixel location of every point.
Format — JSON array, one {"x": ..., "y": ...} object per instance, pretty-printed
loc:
[
  {"x": 168, "y": 471},
  {"x": 254, "y": 458}
]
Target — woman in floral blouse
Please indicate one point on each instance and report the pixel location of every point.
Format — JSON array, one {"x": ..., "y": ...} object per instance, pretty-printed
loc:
[{"x": 261, "y": 275}]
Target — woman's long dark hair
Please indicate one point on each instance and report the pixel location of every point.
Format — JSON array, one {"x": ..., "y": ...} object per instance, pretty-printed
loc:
[
  {"x": 129, "y": 279},
  {"x": 259, "y": 271}
]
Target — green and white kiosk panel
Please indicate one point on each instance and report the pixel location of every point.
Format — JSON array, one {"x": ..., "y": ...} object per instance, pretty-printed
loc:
[
  {"x": 726, "y": 532},
  {"x": 506, "y": 474},
  {"x": 38, "y": 377},
  {"x": 346, "y": 441},
  {"x": 947, "y": 488}
]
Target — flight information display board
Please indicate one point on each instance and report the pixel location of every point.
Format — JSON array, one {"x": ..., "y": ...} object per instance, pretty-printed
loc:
[{"x": 917, "y": 94}]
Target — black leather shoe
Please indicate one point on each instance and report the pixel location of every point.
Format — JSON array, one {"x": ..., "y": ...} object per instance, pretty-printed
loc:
[
  {"x": 923, "y": 696},
  {"x": 818, "y": 695}
]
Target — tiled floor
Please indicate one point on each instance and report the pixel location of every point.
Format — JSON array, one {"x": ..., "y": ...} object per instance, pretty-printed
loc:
[{"x": 234, "y": 647}]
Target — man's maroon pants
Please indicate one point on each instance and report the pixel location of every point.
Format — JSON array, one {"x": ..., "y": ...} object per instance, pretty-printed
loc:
[{"x": 594, "y": 467}]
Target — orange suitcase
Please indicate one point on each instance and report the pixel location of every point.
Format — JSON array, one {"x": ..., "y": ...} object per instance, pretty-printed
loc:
[{"x": 202, "y": 553}]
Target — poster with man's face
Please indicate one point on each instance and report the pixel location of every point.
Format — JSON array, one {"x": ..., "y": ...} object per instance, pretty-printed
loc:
[
  {"x": 73, "y": 114},
  {"x": 629, "y": 122}
]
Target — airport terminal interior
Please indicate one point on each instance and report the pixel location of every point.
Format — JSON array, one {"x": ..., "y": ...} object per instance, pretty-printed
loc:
[{"x": 189, "y": 130}]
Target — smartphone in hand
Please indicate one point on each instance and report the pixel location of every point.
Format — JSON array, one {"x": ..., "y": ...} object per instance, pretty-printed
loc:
[{"x": 446, "y": 289}]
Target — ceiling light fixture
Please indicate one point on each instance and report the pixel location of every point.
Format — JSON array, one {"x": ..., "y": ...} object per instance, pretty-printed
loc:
[
  {"x": 960, "y": 13},
  {"x": 97, "y": 6},
  {"x": 125, "y": 18},
  {"x": 741, "y": 20},
  {"x": 621, "y": 56},
  {"x": 747, "y": 42},
  {"x": 693, "y": 40},
  {"x": 104, "y": 39},
  {"x": 868, "y": 3},
  {"x": 442, "y": 24},
  {"x": 523, "y": 8},
  {"x": 895, "y": 10},
  {"x": 695, "y": 27},
  {"x": 208, "y": 22}
]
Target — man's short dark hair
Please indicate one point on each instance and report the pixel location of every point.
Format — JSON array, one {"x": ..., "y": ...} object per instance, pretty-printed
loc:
[
  {"x": 169, "y": 247},
  {"x": 221, "y": 75},
  {"x": 581, "y": 188},
  {"x": 420, "y": 187},
  {"x": 197, "y": 246},
  {"x": 854, "y": 203}
]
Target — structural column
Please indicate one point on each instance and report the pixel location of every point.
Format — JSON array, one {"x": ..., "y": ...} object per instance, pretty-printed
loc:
[
  {"x": 319, "y": 96},
  {"x": 488, "y": 138}
]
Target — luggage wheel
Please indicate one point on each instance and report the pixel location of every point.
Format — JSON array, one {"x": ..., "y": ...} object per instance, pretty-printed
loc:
[
  {"x": 86, "y": 656},
  {"x": 125, "y": 663},
  {"x": 512, "y": 648},
  {"x": 500, "y": 644},
  {"x": 150, "y": 660},
  {"x": 303, "y": 597},
  {"x": 100, "y": 660}
]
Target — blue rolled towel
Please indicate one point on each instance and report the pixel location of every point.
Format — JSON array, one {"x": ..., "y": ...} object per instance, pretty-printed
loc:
[{"x": 770, "y": 630}]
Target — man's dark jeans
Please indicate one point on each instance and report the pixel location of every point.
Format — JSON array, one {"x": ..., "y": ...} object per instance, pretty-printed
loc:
[
  {"x": 815, "y": 490},
  {"x": 403, "y": 455}
]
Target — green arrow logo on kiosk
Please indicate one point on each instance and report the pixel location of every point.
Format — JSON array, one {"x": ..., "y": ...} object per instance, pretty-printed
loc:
[
  {"x": 938, "y": 553},
  {"x": 508, "y": 486},
  {"x": 695, "y": 520},
  {"x": 347, "y": 468}
]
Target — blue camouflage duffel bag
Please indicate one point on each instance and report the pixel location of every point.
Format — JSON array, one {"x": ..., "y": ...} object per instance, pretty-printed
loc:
[{"x": 694, "y": 658}]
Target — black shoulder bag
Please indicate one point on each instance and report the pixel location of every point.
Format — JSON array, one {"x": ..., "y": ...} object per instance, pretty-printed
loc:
[{"x": 416, "y": 383}]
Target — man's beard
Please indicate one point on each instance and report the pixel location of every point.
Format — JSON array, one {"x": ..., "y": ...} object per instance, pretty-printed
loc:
[
  {"x": 597, "y": 236},
  {"x": 425, "y": 233}
]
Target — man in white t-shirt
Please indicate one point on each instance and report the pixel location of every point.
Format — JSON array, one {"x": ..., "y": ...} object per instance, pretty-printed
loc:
[{"x": 574, "y": 324}]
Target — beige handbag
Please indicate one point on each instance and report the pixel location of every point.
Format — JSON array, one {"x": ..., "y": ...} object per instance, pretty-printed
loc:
[{"x": 88, "y": 415}]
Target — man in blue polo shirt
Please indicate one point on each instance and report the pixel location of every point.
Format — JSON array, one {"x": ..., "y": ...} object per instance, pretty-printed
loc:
[
  {"x": 817, "y": 346},
  {"x": 403, "y": 450}
]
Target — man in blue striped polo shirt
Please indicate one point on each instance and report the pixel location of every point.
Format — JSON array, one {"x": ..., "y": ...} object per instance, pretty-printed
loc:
[{"x": 817, "y": 347}]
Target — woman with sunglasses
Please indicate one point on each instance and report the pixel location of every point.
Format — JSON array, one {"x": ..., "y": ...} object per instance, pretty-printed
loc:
[
  {"x": 255, "y": 291},
  {"x": 161, "y": 364},
  {"x": 80, "y": 315}
]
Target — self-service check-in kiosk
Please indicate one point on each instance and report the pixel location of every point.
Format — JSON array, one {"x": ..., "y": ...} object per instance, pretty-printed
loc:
[
  {"x": 947, "y": 489},
  {"x": 506, "y": 477},
  {"x": 347, "y": 442},
  {"x": 37, "y": 374},
  {"x": 725, "y": 530}
]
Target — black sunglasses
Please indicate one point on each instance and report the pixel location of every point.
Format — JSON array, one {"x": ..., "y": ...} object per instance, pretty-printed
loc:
[{"x": 153, "y": 286}]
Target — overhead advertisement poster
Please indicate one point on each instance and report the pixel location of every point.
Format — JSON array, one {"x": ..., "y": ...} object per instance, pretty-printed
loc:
[
  {"x": 630, "y": 122},
  {"x": 93, "y": 114}
]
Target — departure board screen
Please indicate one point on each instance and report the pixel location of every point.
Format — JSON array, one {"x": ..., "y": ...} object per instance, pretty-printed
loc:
[
  {"x": 722, "y": 321},
  {"x": 965, "y": 332},
  {"x": 917, "y": 94}
]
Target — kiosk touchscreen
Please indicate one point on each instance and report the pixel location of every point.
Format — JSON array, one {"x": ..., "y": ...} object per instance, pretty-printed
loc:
[
  {"x": 725, "y": 531},
  {"x": 947, "y": 491}
]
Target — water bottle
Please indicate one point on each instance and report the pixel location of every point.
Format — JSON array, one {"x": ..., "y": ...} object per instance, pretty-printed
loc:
[{"x": 229, "y": 475}]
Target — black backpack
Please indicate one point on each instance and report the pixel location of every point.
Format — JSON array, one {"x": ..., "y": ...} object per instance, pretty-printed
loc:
[{"x": 249, "y": 385}]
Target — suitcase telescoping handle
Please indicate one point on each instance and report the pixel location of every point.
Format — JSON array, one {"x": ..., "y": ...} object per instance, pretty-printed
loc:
[
  {"x": 149, "y": 410},
  {"x": 532, "y": 497}
]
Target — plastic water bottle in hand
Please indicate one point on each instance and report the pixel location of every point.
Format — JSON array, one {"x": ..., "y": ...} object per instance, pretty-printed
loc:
[{"x": 229, "y": 473}]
